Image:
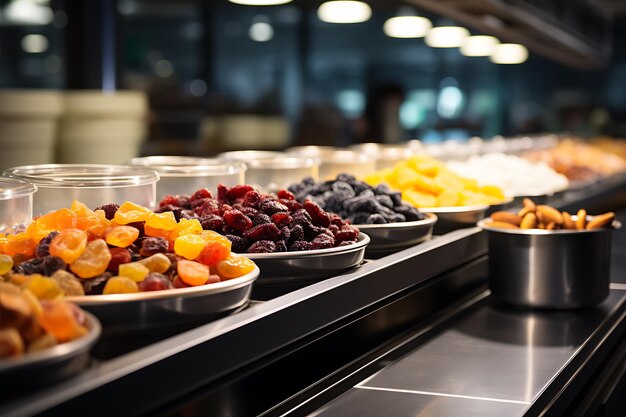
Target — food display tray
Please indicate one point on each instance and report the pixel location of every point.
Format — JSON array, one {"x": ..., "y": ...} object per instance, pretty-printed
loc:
[
  {"x": 122, "y": 313},
  {"x": 49, "y": 365},
  {"x": 391, "y": 237},
  {"x": 308, "y": 266}
]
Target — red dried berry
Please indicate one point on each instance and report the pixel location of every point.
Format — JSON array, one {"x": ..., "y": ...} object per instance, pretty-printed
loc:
[
  {"x": 265, "y": 231},
  {"x": 287, "y": 195},
  {"x": 221, "y": 191},
  {"x": 152, "y": 245},
  {"x": 323, "y": 241},
  {"x": 208, "y": 206},
  {"x": 238, "y": 191},
  {"x": 270, "y": 207},
  {"x": 201, "y": 194},
  {"x": 261, "y": 218},
  {"x": 347, "y": 233},
  {"x": 296, "y": 233},
  {"x": 346, "y": 243},
  {"x": 249, "y": 211},
  {"x": 118, "y": 256},
  {"x": 239, "y": 244},
  {"x": 251, "y": 199},
  {"x": 237, "y": 220},
  {"x": 168, "y": 200},
  {"x": 212, "y": 222},
  {"x": 336, "y": 219},
  {"x": 285, "y": 233},
  {"x": 262, "y": 246},
  {"x": 282, "y": 219},
  {"x": 334, "y": 229},
  {"x": 319, "y": 216},
  {"x": 281, "y": 246},
  {"x": 292, "y": 205}
]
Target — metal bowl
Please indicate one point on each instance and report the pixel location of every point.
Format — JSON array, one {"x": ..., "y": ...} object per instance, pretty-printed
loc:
[
  {"x": 556, "y": 269},
  {"x": 500, "y": 206},
  {"x": 452, "y": 218},
  {"x": 51, "y": 364},
  {"x": 120, "y": 313},
  {"x": 386, "y": 238},
  {"x": 308, "y": 266}
]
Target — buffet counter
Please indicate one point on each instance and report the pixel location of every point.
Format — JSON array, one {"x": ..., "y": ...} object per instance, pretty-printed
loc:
[{"x": 413, "y": 332}]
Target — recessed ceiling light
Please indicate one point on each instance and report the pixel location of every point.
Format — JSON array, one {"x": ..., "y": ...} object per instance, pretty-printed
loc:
[
  {"x": 480, "y": 45},
  {"x": 407, "y": 27},
  {"x": 446, "y": 36},
  {"x": 509, "y": 53},
  {"x": 344, "y": 11}
]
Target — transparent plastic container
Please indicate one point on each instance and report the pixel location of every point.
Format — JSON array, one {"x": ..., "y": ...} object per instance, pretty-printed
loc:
[
  {"x": 250, "y": 155},
  {"x": 335, "y": 161},
  {"x": 16, "y": 203},
  {"x": 273, "y": 174},
  {"x": 386, "y": 155},
  {"x": 94, "y": 185},
  {"x": 187, "y": 174}
]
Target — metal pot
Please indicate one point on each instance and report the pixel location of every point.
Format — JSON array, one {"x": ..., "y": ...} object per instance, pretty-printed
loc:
[{"x": 557, "y": 269}]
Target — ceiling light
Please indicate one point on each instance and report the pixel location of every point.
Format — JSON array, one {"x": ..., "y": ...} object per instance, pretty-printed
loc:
[
  {"x": 509, "y": 53},
  {"x": 34, "y": 43},
  {"x": 261, "y": 32},
  {"x": 407, "y": 27},
  {"x": 344, "y": 12},
  {"x": 479, "y": 45},
  {"x": 25, "y": 12},
  {"x": 446, "y": 36},
  {"x": 260, "y": 2}
]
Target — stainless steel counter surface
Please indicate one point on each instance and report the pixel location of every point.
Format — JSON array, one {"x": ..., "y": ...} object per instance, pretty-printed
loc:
[{"x": 493, "y": 361}]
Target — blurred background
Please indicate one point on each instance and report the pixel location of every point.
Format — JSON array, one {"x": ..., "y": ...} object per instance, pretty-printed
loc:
[{"x": 206, "y": 76}]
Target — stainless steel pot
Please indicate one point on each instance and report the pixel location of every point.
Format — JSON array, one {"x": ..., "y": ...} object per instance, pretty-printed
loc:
[{"x": 560, "y": 269}]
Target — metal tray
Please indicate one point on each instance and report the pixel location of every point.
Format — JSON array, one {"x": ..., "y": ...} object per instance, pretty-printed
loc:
[
  {"x": 121, "y": 313},
  {"x": 386, "y": 238},
  {"x": 451, "y": 218},
  {"x": 307, "y": 266},
  {"x": 500, "y": 206},
  {"x": 50, "y": 365}
]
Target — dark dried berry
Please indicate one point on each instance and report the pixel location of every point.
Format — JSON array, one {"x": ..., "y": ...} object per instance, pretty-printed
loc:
[
  {"x": 270, "y": 207},
  {"x": 118, "y": 256},
  {"x": 221, "y": 191},
  {"x": 188, "y": 214},
  {"x": 346, "y": 178},
  {"x": 95, "y": 285},
  {"x": 152, "y": 245},
  {"x": 296, "y": 233},
  {"x": 262, "y": 246},
  {"x": 238, "y": 191},
  {"x": 292, "y": 205},
  {"x": 237, "y": 220},
  {"x": 382, "y": 189},
  {"x": 285, "y": 233},
  {"x": 51, "y": 264},
  {"x": 346, "y": 243},
  {"x": 385, "y": 200},
  {"x": 32, "y": 266},
  {"x": 286, "y": 195},
  {"x": 396, "y": 197},
  {"x": 261, "y": 218},
  {"x": 239, "y": 244},
  {"x": 342, "y": 190},
  {"x": 300, "y": 245},
  {"x": 43, "y": 249},
  {"x": 139, "y": 226},
  {"x": 336, "y": 220},
  {"x": 251, "y": 199},
  {"x": 265, "y": 231},
  {"x": 208, "y": 207},
  {"x": 109, "y": 210},
  {"x": 409, "y": 212},
  {"x": 201, "y": 194},
  {"x": 319, "y": 216},
  {"x": 375, "y": 219},
  {"x": 171, "y": 208},
  {"x": 282, "y": 219},
  {"x": 334, "y": 229},
  {"x": 396, "y": 218},
  {"x": 281, "y": 246},
  {"x": 212, "y": 222},
  {"x": 360, "y": 217}
]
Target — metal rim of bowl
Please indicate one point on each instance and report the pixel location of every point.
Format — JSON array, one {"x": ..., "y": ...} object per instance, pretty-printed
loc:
[
  {"x": 200, "y": 290},
  {"x": 12, "y": 188},
  {"x": 542, "y": 232},
  {"x": 84, "y": 175},
  {"x": 58, "y": 352},
  {"x": 431, "y": 218},
  {"x": 363, "y": 241},
  {"x": 185, "y": 166}
]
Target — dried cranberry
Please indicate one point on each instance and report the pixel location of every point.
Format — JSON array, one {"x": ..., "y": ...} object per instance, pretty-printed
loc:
[
  {"x": 270, "y": 207},
  {"x": 238, "y": 191},
  {"x": 249, "y": 211},
  {"x": 209, "y": 206},
  {"x": 281, "y": 246},
  {"x": 296, "y": 233},
  {"x": 300, "y": 245},
  {"x": 201, "y": 194},
  {"x": 152, "y": 245},
  {"x": 265, "y": 231},
  {"x": 221, "y": 191},
  {"x": 319, "y": 216},
  {"x": 237, "y": 220},
  {"x": 168, "y": 200},
  {"x": 323, "y": 241},
  {"x": 262, "y": 246},
  {"x": 282, "y": 219},
  {"x": 347, "y": 233},
  {"x": 261, "y": 218},
  {"x": 251, "y": 199},
  {"x": 212, "y": 222},
  {"x": 292, "y": 205},
  {"x": 118, "y": 256},
  {"x": 286, "y": 194}
]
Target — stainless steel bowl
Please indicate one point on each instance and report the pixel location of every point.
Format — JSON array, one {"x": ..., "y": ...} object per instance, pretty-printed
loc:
[
  {"x": 308, "y": 266},
  {"x": 557, "y": 269},
  {"x": 121, "y": 313},
  {"x": 51, "y": 364},
  {"x": 386, "y": 238},
  {"x": 451, "y": 218}
]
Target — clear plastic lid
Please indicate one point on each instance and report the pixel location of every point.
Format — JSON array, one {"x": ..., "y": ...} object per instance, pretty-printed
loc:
[
  {"x": 184, "y": 166},
  {"x": 330, "y": 154},
  {"x": 284, "y": 162},
  {"x": 250, "y": 155},
  {"x": 84, "y": 175},
  {"x": 11, "y": 188}
]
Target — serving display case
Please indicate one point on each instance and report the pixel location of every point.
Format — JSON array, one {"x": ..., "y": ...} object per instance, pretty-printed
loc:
[{"x": 413, "y": 330}]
